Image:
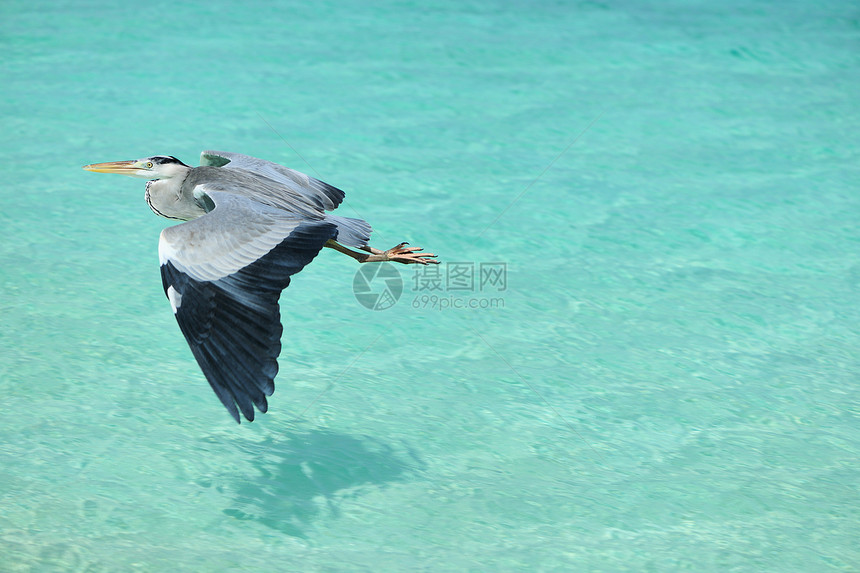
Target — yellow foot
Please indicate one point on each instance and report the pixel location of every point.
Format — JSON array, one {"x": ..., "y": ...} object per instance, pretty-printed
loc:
[{"x": 409, "y": 255}]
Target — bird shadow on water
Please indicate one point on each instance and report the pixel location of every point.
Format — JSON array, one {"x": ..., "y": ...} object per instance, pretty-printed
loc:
[{"x": 305, "y": 477}]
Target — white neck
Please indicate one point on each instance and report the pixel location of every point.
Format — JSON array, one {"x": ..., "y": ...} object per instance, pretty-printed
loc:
[{"x": 166, "y": 199}]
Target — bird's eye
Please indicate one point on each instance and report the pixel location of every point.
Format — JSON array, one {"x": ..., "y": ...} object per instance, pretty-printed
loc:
[{"x": 149, "y": 164}]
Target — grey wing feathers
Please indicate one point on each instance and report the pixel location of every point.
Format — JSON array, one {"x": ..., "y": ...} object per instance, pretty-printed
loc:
[
  {"x": 323, "y": 194},
  {"x": 351, "y": 232},
  {"x": 223, "y": 274}
]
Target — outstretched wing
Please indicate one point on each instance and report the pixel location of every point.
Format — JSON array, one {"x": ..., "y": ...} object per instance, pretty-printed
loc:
[
  {"x": 322, "y": 194},
  {"x": 223, "y": 274}
]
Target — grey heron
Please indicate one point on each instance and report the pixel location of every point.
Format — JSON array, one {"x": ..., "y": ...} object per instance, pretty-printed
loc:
[{"x": 249, "y": 225}]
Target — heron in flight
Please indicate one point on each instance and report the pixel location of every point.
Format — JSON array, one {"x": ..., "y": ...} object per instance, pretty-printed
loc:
[{"x": 250, "y": 225}]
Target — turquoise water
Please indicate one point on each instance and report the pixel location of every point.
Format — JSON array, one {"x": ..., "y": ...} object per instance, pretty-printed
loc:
[{"x": 667, "y": 381}]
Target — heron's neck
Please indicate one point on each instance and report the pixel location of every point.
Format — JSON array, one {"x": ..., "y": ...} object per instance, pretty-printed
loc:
[{"x": 166, "y": 199}]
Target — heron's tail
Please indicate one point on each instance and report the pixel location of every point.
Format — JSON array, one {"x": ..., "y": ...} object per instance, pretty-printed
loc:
[{"x": 351, "y": 232}]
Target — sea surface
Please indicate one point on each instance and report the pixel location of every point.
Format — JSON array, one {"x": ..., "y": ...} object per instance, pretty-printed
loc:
[{"x": 641, "y": 351}]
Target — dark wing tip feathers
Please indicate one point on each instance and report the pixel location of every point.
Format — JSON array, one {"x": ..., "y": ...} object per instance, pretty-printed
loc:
[
  {"x": 333, "y": 193},
  {"x": 233, "y": 324}
]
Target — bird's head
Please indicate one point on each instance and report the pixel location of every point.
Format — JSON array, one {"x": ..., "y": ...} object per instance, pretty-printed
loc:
[{"x": 155, "y": 167}]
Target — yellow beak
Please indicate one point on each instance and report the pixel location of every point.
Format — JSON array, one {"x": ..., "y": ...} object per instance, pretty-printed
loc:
[{"x": 121, "y": 167}]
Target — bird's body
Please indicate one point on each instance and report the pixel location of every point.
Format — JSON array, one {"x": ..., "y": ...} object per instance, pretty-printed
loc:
[{"x": 249, "y": 225}]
